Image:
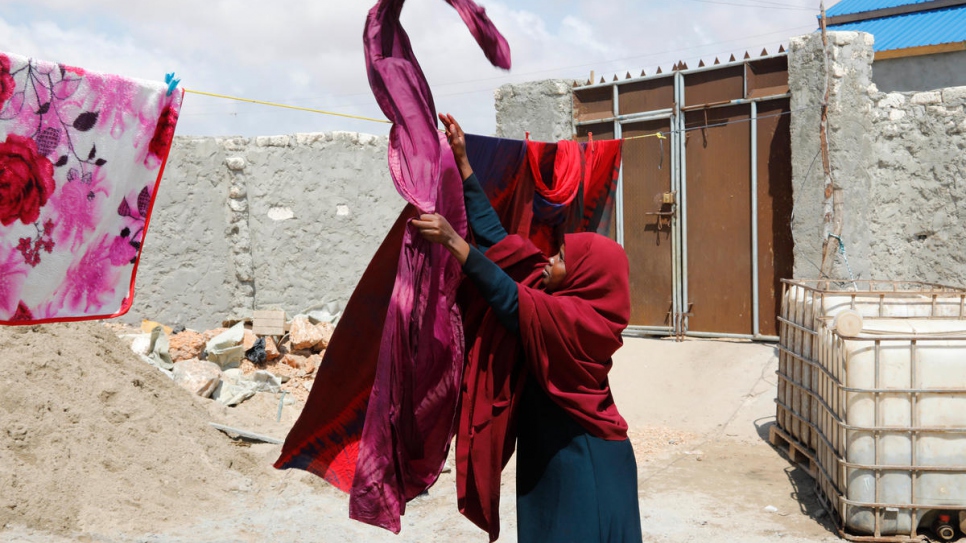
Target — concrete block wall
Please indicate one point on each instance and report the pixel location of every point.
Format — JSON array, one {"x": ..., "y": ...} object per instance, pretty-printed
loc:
[
  {"x": 851, "y": 153},
  {"x": 287, "y": 222},
  {"x": 899, "y": 157},
  {"x": 277, "y": 222},
  {"x": 543, "y": 108},
  {"x": 919, "y": 218}
]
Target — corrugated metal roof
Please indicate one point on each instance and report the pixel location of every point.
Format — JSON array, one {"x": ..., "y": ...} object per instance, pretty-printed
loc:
[
  {"x": 848, "y": 7},
  {"x": 913, "y": 29}
]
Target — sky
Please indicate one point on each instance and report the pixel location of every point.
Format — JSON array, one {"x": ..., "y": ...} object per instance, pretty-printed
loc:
[{"x": 308, "y": 53}]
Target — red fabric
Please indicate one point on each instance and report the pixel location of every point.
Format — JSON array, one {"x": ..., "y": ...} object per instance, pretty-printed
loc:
[
  {"x": 492, "y": 382},
  {"x": 567, "y": 170},
  {"x": 574, "y": 187},
  {"x": 501, "y": 168},
  {"x": 566, "y": 342},
  {"x": 602, "y": 164},
  {"x": 325, "y": 438}
]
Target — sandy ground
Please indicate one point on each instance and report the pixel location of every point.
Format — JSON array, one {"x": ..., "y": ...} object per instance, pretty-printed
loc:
[{"x": 699, "y": 413}]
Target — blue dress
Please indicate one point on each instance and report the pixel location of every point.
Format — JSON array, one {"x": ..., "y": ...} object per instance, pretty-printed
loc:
[{"x": 571, "y": 486}]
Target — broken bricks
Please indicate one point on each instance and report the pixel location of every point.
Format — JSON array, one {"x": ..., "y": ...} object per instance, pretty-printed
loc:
[
  {"x": 186, "y": 345},
  {"x": 299, "y": 354},
  {"x": 304, "y": 334}
]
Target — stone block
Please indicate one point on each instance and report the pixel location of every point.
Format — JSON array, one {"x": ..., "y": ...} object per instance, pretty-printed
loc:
[
  {"x": 304, "y": 334},
  {"x": 186, "y": 345},
  {"x": 954, "y": 96},
  {"x": 923, "y": 98},
  {"x": 141, "y": 344},
  {"x": 294, "y": 360},
  {"x": 197, "y": 376},
  {"x": 272, "y": 141},
  {"x": 893, "y": 99},
  {"x": 311, "y": 363},
  {"x": 326, "y": 329},
  {"x": 248, "y": 339},
  {"x": 235, "y": 163},
  {"x": 271, "y": 350}
]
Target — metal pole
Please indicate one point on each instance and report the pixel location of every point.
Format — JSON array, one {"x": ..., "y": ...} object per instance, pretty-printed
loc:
[
  {"x": 632, "y": 117},
  {"x": 725, "y": 335},
  {"x": 683, "y": 205},
  {"x": 619, "y": 200},
  {"x": 675, "y": 221},
  {"x": 754, "y": 220}
]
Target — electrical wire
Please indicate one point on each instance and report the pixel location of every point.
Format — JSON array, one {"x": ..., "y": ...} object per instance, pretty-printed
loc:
[
  {"x": 756, "y": 6},
  {"x": 524, "y": 75}
]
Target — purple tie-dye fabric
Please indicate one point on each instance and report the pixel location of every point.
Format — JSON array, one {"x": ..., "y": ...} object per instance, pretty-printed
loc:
[{"x": 410, "y": 419}]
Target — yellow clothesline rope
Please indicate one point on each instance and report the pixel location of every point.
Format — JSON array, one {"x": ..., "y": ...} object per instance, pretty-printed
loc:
[
  {"x": 249, "y": 100},
  {"x": 658, "y": 135}
]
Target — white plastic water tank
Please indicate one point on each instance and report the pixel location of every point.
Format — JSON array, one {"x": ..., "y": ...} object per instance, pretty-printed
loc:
[{"x": 910, "y": 419}]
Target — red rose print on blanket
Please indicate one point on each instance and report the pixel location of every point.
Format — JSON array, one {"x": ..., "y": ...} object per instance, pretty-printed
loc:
[
  {"x": 163, "y": 133},
  {"x": 26, "y": 180},
  {"x": 7, "y": 83}
]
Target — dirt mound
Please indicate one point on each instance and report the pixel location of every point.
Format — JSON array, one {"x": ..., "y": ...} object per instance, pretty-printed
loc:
[{"x": 93, "y": 439}]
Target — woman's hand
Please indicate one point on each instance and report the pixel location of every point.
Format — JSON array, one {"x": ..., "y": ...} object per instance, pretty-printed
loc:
[
  {"x": 435, "y": 228},
  {"x": 457, "y": 141}
]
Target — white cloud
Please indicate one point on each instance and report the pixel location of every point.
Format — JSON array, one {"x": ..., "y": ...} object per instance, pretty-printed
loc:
[{"x": 309, "y": 52}]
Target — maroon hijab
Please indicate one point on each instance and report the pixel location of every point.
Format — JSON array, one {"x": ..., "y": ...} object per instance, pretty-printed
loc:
[
  {"x": 570, "y": 335},
  {"x": 566, "y": 342}
]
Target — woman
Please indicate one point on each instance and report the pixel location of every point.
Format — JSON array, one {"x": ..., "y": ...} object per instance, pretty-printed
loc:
[{"x": 546, "y": 346}]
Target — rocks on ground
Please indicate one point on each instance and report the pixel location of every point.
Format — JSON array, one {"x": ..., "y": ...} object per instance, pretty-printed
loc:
[{"x": 230, "y": 365}]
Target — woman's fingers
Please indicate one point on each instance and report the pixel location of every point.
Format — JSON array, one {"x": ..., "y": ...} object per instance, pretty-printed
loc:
[
  {"x": 433, "y": 227},
  {"x": 447, "y": 121},
  {"x": 457, "y": 129},
  {"x": 452, "y": 127}
]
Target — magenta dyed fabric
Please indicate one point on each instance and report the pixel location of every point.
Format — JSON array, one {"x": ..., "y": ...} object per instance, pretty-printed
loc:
[{"x": 410, "y": 419}]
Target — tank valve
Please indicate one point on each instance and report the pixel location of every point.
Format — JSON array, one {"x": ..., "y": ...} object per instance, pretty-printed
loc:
[{"x": 943, "y": 527}]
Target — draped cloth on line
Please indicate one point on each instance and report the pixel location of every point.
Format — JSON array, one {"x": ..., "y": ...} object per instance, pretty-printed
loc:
[
  {"x": 325, "y": 440},
  {"x": 410, "y": 404},
  {"x": 81, "y": 159},
  {"x": 523, "y": 181}
]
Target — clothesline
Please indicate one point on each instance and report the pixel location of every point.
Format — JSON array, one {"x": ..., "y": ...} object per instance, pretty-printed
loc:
[
  {"x": 663, "y": 135},
  {"x": 275, "y": 104},
  {"x": 658, "y": 135}
]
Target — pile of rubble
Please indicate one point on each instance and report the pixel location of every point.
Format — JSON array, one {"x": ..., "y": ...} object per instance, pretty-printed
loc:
[{"x": 231, "y": 364}]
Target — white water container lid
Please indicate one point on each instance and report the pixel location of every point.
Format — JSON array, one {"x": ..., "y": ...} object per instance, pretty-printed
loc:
[{"x": 848, "y": 323}]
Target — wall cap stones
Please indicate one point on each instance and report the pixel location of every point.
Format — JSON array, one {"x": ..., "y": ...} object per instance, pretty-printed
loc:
[
  {"x": 273, "y": 141},
  {"x": 923, "y": 98},
  {"x": 954, "y": 96}
]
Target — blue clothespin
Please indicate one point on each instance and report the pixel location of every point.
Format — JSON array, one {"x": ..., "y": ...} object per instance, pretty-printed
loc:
[{"x": 172, "y": 83}]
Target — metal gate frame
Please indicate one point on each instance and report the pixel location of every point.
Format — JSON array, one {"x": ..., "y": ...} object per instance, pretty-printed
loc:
[{"x": 678, "y": 321}]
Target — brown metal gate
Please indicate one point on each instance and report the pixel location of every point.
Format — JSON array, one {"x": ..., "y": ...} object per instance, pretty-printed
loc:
[{"x": 704, "y": 209}]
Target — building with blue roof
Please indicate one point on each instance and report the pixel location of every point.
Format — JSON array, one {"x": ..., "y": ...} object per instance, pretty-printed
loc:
[{"x": 920, "y": 45}]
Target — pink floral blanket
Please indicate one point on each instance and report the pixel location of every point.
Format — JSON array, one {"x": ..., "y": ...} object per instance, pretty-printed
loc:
[{"x": 81, "y": 156}]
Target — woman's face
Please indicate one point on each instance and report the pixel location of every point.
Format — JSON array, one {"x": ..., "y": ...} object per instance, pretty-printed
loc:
[{"x": 554, "y": 272}]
